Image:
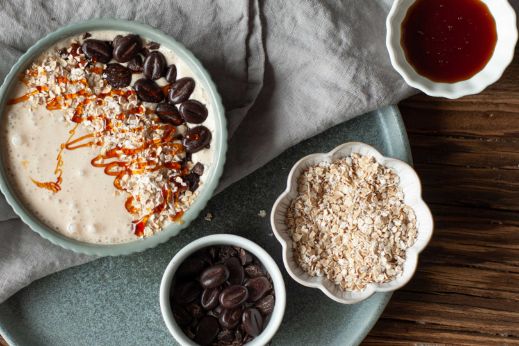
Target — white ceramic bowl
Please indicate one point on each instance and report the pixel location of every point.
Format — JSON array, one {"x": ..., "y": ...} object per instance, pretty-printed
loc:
[
  {"x": 412, "y": 189},
  {"x": 233, "y": 240},
  {"x": 505, "y": 18}
]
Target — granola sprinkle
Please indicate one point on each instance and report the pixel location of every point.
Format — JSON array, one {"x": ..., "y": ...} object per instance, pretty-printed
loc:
[{"x": 349, "y": 222}]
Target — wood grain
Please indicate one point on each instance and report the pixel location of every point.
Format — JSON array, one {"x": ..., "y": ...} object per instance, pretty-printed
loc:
[{"x": 466, "y": 289}]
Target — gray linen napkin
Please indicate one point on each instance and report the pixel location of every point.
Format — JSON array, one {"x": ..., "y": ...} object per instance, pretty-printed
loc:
[{"x": 287, "y": 70}]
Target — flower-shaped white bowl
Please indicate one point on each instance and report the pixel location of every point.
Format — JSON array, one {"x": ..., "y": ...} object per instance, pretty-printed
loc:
[
  {"x": 412, "y": 189},
  {"x": 505, "y": 18}
]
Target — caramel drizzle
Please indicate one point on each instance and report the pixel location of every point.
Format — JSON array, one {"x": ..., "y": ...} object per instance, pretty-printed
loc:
[
  {"x": 113, "y": 166},
  {"x": 55, "y": 186},
  {"x": 111, "y": 160},
  {"x": 26, "y": 96}
]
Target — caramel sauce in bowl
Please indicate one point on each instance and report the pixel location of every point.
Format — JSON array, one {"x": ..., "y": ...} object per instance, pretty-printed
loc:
[{"x": 451, "y": 48}]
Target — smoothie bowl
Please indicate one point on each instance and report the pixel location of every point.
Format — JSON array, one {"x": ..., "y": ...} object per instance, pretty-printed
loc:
[{"x": 113, "y": 137}]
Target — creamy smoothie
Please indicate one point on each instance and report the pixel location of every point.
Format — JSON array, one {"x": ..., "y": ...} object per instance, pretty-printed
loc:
[{"x": 101, "y": 154}]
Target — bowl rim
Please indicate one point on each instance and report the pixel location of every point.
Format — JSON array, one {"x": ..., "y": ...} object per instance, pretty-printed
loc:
[
  {"x": 220, "y": 144},
  {"x": 492, "y": 71},
  {"x": 223, "y": 239},
  {"x": 426, "y": 227}
]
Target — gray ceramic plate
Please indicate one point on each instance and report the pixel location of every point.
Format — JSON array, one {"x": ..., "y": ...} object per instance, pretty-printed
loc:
[{"x": 115, "y": 301}]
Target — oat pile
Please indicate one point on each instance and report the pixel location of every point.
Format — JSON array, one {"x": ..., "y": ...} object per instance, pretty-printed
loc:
[
  {"x": 117, "y": 122},
  {"x": 349, "y": 222}
]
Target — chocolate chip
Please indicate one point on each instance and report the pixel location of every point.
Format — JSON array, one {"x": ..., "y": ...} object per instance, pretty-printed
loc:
[
  {"x": 148, "y": 91},
  {"x": 252, "y": 321},
  {"x": 254, "y": 270},
  {"x": 195, "y": 310},
  {"x": 154, "y": 65},
  {"x": 181, "y": 90},
  {"x": 198, "y": 169},
  {"x": 152, "y": 45},
  {"x": 192, "y": 180},
  {"x": 258, "y": 287},
  {"x": 196, "y": 139},
  {"x": 214, "y": 276},
  {"x": 193, "y": 111},
  {"x": 226, "y": 252},
  {"x": 245, "y": 257},
  {"x": 116, "y": 40},
  {"x": 135, "y": 64},
  {"x": 118, "y": 76},
  {"x": 233, "y": 296},
  {"x": 171, "y": 73},
  {"x": 236, "y": 272},
  {"x": 266, "y": 305},
  {"x": 97, "y": 50},
  {"x": 230, "y": 317},
  {"x": 127, "y": 47},
  {"x": 207, "y": 330},
  {"x": 209, "y": 299},
  {"x": 168, "y": 113}
]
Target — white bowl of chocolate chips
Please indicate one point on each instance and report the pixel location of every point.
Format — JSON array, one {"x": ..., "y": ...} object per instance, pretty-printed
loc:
[{"x": 222, "y": 290}]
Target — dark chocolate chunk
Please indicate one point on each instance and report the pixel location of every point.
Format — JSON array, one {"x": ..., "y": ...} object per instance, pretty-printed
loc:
[
  {"x": 135, "y": 64},
  {"x": 118, "y": 76},
  {"x": 252, "y": 321},
  {"x": 196, "y": 139},
  {"x": 193, "y": 111},
  {"x": 181, "y": 90},
  {"x": 214, "y": 276},
  {"x": 171, "y": 73},
  {"x": 233, "y": 296},
  {"x": 258, "y": 287},
  {"x": 127, "y": 47},
  {"x": 148, "y": 91},
  {"x": 207, "y": 330},
  {"x": 154, "y": 65},
  {"x": 97, "y": 50},
  {"x": 169, "y": 113}
]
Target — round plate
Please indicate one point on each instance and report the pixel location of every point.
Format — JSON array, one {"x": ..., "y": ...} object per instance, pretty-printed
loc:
[
  {"x": 115, "y": 300},
  {"x": 219, "y": 142}
]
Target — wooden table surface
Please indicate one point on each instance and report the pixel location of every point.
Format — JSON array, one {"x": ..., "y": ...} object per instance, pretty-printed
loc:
[{"x": 466, "y": 289}]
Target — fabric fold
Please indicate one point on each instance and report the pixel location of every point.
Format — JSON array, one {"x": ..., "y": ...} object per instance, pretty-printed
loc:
[
  {"x": 225, "y": 35},
  {"x": 286, "y": 71}
]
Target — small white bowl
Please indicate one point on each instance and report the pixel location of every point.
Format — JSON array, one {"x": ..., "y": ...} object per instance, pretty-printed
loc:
[
  {"x": 412, "y": 189},
  {"x": 505, "y": 18},
  {"x": 233, "y": 240}
]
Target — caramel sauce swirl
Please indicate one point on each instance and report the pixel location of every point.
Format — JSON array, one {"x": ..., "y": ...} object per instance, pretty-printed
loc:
[{"x": 121, "y": 161}]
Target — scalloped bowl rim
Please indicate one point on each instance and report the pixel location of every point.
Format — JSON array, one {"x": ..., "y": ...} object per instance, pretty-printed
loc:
[
  {"x": 220, "y": 142},
  {"x": 424, "y": 232},
  {"x": 493, "y": 70}
]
